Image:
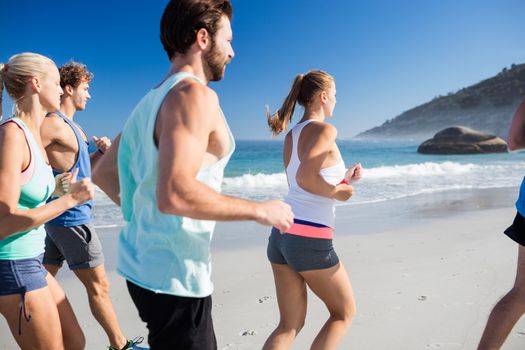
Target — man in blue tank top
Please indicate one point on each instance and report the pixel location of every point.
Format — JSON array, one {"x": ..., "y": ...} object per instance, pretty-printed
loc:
[
  {"x": 70, "y": 236},
  {"x": 511, "y": 307},
  {"x": 171, "y": 156}
]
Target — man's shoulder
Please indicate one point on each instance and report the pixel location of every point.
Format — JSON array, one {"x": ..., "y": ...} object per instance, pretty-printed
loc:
[
  {"x": 53, "y": 121},
  {"x": 189, "y": 103},
  {"x": 54, "y": 130},
  {"x": 190, "y": 90}
]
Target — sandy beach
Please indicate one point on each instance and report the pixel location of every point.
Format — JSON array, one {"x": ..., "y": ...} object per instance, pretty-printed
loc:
[{"x": 426, "y": 271}]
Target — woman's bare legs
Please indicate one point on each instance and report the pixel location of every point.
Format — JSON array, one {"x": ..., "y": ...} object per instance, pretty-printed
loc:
[
  {"x": 72, "y": 334},
  {"x": 333, "y": 287},
  {"x": 47, "y": 307},
  {"x": 292, "y": 299}
]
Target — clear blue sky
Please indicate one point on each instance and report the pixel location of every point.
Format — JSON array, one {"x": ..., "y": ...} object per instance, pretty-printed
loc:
[{"x": 386, "y": 56}]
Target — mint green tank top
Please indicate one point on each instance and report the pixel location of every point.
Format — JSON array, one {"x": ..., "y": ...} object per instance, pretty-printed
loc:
[
  {"x": 33, "y": 194},
  {"x": 163, "y": 253}
]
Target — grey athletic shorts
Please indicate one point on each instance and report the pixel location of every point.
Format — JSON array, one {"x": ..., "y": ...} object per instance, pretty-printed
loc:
[
  {"x": 78, "y": 245},
  {"x": 300, "y": 253}
]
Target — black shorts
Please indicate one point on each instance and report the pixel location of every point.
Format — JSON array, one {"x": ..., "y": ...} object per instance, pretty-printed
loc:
[
  {"x": 516, "y": 231},
  {"x": 175, "y": 322}
]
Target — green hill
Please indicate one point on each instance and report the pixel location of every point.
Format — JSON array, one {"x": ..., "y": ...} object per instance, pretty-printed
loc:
[{"x": 486, "y": 106}]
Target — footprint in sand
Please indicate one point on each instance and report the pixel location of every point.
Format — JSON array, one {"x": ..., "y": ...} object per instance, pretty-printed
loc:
[
  {"x": 235, "y": 346},
  {"x": 264, "y": 299},
  {"x": 444, "y": 346}
]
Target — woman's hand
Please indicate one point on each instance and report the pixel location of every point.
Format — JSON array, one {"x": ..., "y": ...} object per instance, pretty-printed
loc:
[
  {"x": 353, "y": 174},
  {"x": 81, "y": 191}
]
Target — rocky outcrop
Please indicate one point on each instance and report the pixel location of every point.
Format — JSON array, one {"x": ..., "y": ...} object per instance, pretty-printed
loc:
[{"x": 462, "y": 140}]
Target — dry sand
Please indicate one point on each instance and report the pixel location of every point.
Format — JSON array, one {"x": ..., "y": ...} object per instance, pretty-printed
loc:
[{"x": 425, "y": 271}]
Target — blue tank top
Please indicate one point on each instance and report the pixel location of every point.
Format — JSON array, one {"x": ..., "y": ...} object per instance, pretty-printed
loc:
[
  {"x": 520, "y": 203},
  {"x": 81, "y": 214}
]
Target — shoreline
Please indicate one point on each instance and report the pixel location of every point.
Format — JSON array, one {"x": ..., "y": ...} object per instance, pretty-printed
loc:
[{"x": 377, "y": 217}]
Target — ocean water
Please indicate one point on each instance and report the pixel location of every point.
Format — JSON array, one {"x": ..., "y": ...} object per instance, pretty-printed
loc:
[{"x": 392, "y": 170}]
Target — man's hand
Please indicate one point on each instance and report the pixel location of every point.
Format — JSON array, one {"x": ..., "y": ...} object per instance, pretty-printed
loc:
[
  {"x": 62, "y": 183},
  {"x": 275, "y": 213},
  {"x": 103, "y": 143}
]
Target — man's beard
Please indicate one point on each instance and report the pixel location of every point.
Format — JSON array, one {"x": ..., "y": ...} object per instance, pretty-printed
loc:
[
  {"x": 213, "y": 64},
  {"x": 80, "y": 106}
]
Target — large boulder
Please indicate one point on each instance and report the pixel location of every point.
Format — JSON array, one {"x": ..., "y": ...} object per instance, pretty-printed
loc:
[{"x": 462, "y": 140}]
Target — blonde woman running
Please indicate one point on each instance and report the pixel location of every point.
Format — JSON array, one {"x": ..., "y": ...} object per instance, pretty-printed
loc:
[
  {"x": 34, "y": 305},
  {"x": 303, "y": 255}
]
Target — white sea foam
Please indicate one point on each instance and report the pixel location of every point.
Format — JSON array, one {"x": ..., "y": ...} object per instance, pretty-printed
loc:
[
  {"x": 390, "y": 182},
  {"x": 378, "y": 183},
  {"x": 256, "y": 181},
  {"x": 421, "y": 169}
]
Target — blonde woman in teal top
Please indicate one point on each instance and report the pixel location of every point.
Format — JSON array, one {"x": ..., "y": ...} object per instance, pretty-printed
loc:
[{"x": 26, "y": 182}]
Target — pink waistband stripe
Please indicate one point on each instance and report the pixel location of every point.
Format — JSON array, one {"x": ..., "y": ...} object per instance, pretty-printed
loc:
[{"x": 310, "y": 231}]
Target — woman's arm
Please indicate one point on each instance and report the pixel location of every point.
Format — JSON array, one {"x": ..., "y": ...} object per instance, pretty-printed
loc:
[
  {"x": 316, "y": 145},
  {"x": 13, "y": 220}
]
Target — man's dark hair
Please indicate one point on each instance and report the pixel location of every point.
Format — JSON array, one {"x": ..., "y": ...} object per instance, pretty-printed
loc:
[{"x": 182, "y": 19}]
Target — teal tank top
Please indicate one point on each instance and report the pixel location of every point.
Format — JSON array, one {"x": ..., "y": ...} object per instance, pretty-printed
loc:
[
  {"x": 33, "y": 194},
  {"x": 163, "y": 253}
]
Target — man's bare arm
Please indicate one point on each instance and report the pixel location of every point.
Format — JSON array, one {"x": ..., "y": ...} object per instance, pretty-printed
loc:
[
  {"x": 51, "y": 129},
  {"x": 105, "y": 172},
  {"x": 103, "y": 144},
  {"x": 517, "y": 129},
  {"x": 187, "y": 119}
]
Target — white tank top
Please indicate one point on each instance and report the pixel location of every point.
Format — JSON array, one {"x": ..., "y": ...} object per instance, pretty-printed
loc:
[{"x": 305, "y": 205}]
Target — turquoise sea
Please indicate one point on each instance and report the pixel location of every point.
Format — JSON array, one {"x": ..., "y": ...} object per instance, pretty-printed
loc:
[{"x": 392, "y": 170}]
